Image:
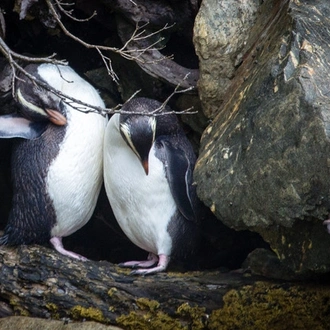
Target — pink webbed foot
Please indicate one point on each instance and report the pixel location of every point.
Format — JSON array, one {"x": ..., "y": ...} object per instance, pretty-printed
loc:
[
  {"x": 327, "y": 223},
  {"x": 144, "y": 266},
  {"x": 161, "y": 266},
  {"x": 58, "y": 246},
  {"x": 152, "y": 260}
]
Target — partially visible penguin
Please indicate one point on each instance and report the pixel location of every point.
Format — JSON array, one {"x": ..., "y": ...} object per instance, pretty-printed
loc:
[
  {"x": 57, "y": 158},
  {"x": 148, "y": 176}
]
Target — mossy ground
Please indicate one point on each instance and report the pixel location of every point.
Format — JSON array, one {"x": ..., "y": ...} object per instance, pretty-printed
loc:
[
  {"x": 277, "y": 307},
  {"x": 90, "y": 313},
  {"x": 261, "y": 306},
  {"x": 150, "y": 317}
]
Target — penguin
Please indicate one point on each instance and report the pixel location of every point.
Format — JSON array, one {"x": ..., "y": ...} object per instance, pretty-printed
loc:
[
  {"x": 57, "y": 158},
  {"x": 148, "y": 177}
]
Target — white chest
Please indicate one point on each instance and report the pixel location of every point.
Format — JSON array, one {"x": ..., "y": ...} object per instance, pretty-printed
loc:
[
  {"x": 74, "y": 177},
  {"x": 142, "y": 204}
]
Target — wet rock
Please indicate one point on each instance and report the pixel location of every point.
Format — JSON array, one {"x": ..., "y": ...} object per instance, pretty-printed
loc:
[
  {"x": 222, "y": 36},
  {"x": 264, "y": 161}
]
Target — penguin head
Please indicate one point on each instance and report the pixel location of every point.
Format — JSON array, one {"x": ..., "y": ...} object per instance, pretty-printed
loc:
[
  {"x": 140, "y": 131},
  {"x": 37, "y": 103}
]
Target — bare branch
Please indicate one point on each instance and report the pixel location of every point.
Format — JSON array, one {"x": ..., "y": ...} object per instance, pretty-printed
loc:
[
  {"x": 12, "y": 58},
  {"x": 108, "y": 65},
  {"x": 7, "y": 52},
  {"x": 73, "y": 102},
  {"x": 68, "y": 13},
  {"x": 161, "y": 109},
  {"x": 137, "y": 35},
  {"x": 130, "y": 54}
]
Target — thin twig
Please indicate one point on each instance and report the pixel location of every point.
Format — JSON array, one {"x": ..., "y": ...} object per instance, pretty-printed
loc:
[
  {"x": 108, "y": 65},
  {"x": 11, "y": 56},
  {"x": 176, "y": 91},
  {"x": 137, "y": 35},
  {"x": 68, "y": 13},
  {"x": 121, "y": 51},
  {"x": 47, "y": 59}
]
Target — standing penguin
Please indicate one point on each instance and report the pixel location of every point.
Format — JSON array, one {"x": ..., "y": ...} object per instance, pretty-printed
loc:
[
  {"x": 148, "y": 167},
  {"x": 57, "y": 160}
]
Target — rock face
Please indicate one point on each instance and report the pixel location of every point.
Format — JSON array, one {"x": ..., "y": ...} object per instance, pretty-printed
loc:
[
  {"x": 264, "y": 161},
  {"x": 221, "y": 37}
]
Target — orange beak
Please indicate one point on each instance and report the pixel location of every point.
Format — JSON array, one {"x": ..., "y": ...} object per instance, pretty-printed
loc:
[
  {"x": 55, "y": 117},
  {"x": 145, "y": 165}
]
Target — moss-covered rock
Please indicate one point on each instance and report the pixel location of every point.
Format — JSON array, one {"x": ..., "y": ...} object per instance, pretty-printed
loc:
[{"x": 278, "y": 307}]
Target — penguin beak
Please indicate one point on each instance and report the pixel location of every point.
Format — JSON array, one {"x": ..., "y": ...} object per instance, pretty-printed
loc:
[
  {"x": 56, "y": 117},
  {"x": 145, "y": 165}
]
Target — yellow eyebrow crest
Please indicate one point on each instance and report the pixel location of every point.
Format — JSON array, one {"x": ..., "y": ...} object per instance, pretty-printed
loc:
[
  {"x": 29, "y": 105},
  {"x": 125, "y": 129}
]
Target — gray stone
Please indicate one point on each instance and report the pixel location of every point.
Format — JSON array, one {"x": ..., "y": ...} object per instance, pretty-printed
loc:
[
  {"x": 221, "y": 37},
  {"x": 264, "y": 160}
]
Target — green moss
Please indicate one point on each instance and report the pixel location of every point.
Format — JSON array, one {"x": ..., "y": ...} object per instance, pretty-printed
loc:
[
  {"x": 147, "y": 304},
  {"x": 53, "y": 308},
  {"x": 112, "y": 292},
  {"x": 21, "y": 311},
  {"x": 263, "y": 306},
  {"x": 112, "y": 309},
  {"x": 195, "y": 315},
  {"x": 149, "y": 321},
  {"x": 79, "y": 312},
  {"x": 148, "y": 318},
  {"x": 18, "y": 309}
]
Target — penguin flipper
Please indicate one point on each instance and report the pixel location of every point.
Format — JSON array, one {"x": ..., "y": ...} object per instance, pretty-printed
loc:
[
  {"x": 179, "y": 173},
  {"x": 16, "y": 126}
]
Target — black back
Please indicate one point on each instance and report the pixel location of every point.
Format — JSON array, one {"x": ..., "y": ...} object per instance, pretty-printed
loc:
[{"x": 32, "y": 215}]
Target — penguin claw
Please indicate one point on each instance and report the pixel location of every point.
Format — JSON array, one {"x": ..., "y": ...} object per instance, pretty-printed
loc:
[
  {"x": 126, "y": 264},
  {"x": 152, "y": 260},
  {"x": 136, "y": 264},
  {"x": 149, "y": 271},
  {"x": 75, "y": 256},
  {"x": 161, "y": 266}
]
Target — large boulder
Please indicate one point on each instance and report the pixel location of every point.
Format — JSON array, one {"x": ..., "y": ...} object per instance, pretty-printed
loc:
[
  {"x": 264, "y": 160},
  {"x": 221, "y": 37}
]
